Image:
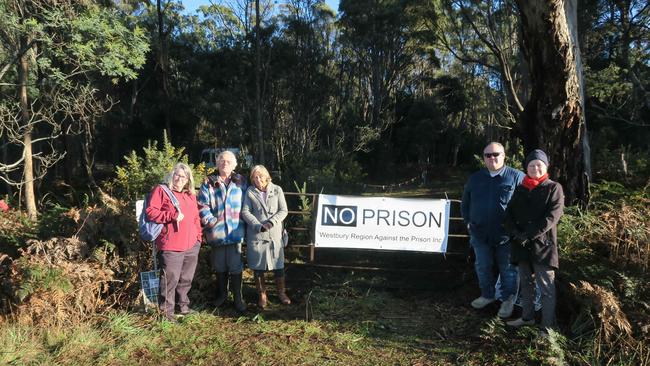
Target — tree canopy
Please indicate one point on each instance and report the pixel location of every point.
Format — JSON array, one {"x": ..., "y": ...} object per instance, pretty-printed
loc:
[{"x": 374, "y": 91}]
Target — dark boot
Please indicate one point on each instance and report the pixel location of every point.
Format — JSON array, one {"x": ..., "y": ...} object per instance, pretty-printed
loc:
[
  {"x": 222, "y": 288},
  {"x": 261, "y": 291},
  {"x": 282, "y": 292},
  {"x": 236, "y": 283}
]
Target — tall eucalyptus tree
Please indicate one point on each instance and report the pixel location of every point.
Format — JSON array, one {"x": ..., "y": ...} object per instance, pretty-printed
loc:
[{"x": 554, "y": 117}]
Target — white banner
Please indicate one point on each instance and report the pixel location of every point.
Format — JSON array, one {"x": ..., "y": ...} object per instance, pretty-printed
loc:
[{"x": 382, "y": 223}]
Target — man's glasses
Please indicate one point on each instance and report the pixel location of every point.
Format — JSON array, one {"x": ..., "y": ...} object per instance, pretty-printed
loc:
[{"x": 492, "y": 155}]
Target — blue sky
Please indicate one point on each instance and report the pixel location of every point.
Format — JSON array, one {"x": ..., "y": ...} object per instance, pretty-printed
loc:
[{"x": 191, "y": 5}]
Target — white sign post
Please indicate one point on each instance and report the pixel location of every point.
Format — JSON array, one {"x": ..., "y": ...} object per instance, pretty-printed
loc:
[
  {"x": 149, "y": 280},
  {"x": 383, "y": 223}
]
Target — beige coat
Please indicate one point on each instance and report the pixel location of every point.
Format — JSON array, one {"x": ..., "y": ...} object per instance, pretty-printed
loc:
[{"x": 264, "y": 249}]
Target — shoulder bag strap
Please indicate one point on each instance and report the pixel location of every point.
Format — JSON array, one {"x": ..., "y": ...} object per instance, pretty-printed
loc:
[{"x": 171, "y": 197}]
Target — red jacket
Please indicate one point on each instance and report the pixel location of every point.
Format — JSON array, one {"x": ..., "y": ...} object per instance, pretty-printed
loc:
[{"x": 177, "y": 237}]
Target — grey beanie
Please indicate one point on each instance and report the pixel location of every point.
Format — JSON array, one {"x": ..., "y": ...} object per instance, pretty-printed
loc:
[{"x": 536, "y": 154}]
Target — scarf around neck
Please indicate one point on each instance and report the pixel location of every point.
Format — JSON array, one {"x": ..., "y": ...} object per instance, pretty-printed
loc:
[{"x": 531, "y": 183}]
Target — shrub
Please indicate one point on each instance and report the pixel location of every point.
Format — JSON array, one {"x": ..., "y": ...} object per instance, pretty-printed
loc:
[
  {"x": 631, "y": 165},
  {"x": 140, "y": 174},
  {"x": 615, "y": 224},
  {"x": 604, "y": 251},
  {"x": 15, "y": 230},
  {"x": 56, "y": 220},
  {"x": 326, "y": 171}
]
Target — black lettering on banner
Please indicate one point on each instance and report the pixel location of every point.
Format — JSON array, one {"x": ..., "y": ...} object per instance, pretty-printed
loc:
[
  {"x": 404, "y": 218},
  {"x": 383, "y": 215},
  {"x": 333, "y": 215},
  {"x": 433, "y": 218},
  {"x": 415, "y": 216},
  {"x": 367, "y": 214}
]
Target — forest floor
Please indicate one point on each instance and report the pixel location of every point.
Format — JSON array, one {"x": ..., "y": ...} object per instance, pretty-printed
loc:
[
  {"x": 350, "y": 307},
  {"x": 337, "y": 318}
]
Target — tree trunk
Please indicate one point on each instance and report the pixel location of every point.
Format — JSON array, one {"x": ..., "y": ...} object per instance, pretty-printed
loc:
[
  {"x": 258, "y": 90},
  {"x": 553, "y": 119},
  {"x": 69, "y": 160},
  {"x": 88, "y": 155},
  {"x": 163, "y": 60},
  {"x": 28, "y": 170}
]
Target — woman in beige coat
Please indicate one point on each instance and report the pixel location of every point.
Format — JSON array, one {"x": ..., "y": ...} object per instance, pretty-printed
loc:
[{"x": 264, "y": 209}]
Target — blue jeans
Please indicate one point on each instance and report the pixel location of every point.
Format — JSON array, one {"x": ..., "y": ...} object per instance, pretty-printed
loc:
[
  {"x": 544, "y": 276},
  {"x": 487, "y": 256}
]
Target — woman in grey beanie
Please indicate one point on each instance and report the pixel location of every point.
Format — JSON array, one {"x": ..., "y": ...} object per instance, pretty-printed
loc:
[{"x": 531, "y": 220}]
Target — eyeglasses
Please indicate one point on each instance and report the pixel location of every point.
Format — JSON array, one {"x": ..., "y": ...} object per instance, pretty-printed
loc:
[
  {"x": 179, "y": 176},
  {"x": 492, "y": 155}
]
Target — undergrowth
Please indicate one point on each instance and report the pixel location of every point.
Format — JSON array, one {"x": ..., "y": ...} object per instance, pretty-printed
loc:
[
  {"x": 69, "y": 300},
  {"x": 605, "y": 254}
]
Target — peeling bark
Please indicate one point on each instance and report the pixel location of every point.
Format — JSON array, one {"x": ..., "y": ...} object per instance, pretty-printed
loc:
[{"x": 553, "y": 118}]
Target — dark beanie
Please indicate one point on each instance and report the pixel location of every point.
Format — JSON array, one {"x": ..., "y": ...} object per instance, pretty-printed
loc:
[{"x": 536, "y": 154}]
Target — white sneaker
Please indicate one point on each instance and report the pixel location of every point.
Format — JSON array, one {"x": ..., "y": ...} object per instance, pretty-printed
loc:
[
  {"x": 520, "y": 322},
  {"x": 481, "y": 302},
  {"x": 505, "y": 311}
]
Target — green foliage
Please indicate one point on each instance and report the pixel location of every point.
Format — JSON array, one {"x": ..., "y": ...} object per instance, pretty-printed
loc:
[
  {"x": 554, "y": 348},
  {"x": 605, "y": 250},
  {"x": 69, "y": 48},
  {"x": 36, "y": 277},
  {"x": 623, "y": 163},
  {"x": 121, "y": 324},
  {"x": 141, "y": 173},
  {"x": 104, "y": 252},
  {"x": 54, "y": 221},
  {"x": 494, "y": 331},
  {"x": 15, "y": 229},
  {"x": 101, "y": 40},
  {"x": 605, "y": 84},
  {"x": 305, "y": 206},
  {"x": 305, "y": 202},
  {"x": 326, "y": 171},
  {"x": 615, "y": 224},
  {"x": 573, "y": 227}
]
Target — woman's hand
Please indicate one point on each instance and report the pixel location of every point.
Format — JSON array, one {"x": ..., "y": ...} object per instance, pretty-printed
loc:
[
  {"x": 180, "y": 217},
  {"x": 266, "y": 226}
]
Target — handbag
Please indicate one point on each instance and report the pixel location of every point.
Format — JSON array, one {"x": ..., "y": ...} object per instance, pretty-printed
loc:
[
  {"x": 285, "y": 238},
  {"x": 150, "y": 230}
]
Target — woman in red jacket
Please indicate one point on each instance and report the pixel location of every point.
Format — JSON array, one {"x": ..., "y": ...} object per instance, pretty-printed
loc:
[{"x": 179, "y": 242}]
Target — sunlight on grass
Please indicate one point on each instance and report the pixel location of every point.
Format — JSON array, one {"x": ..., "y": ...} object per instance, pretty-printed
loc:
[
  {"x": 19, "y": 345},
  {"x": 81, "y": 343}
]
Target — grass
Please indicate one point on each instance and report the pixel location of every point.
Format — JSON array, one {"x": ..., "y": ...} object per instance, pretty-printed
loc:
[
  {"x": 337, "y": 318},
  {"x": 348, "y": 325}
]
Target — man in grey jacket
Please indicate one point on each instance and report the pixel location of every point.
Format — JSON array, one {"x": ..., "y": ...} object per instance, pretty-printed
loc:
[{"x": 485, "y": 198}]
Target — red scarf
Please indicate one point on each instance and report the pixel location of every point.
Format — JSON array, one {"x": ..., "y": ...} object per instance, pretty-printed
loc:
[{"x": 531, "y": 183}]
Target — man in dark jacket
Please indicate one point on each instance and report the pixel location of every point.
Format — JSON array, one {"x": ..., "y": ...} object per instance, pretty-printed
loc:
[{"x": 485, "y": 198}]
